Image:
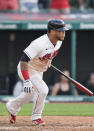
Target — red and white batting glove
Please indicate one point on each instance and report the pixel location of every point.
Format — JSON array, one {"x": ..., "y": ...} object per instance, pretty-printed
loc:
[
  {"x": 27, "y": 83},
  {"x": 27, "y": 86}
]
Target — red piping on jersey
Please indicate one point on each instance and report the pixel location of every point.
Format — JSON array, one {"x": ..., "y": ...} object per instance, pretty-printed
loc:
[{"x": 55, "y": 53}]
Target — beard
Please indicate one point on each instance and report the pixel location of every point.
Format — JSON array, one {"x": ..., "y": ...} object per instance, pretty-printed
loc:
[{"x": 58, "y": 38}]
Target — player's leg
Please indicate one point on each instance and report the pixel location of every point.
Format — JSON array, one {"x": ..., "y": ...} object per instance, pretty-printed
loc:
[
  {"x": 39, "y": 100},
  {"x": 15, "y": 105}
]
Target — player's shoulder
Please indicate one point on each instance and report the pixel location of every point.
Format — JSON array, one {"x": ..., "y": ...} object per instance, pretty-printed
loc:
[
  {"x": 41, "y": 42},
  {"x": 41, "y": 39}
]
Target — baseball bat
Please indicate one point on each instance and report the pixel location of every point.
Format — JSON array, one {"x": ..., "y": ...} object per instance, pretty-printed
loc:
[{"x": 77, "y": 84}]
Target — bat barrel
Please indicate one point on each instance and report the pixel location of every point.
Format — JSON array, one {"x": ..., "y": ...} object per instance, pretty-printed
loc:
[
  {"x": 77, "y": 84},
  {"x": 82, "y": 88}
]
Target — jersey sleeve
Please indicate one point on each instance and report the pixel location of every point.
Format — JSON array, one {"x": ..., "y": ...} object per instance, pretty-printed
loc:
[{"x": 32, "y": 50}]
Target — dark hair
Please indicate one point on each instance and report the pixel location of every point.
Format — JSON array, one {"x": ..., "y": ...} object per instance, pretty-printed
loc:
[{"x": 49, "y": 29}]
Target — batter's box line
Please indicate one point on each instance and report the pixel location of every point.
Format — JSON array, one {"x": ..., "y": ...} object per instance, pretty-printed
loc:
[
  {"x": 9, "y": 128},
  {"x": 84, "y": 126},
  {"x": 48, "y": 130}
]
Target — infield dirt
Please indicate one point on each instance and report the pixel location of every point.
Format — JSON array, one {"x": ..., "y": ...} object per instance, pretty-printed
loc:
[{"x": 53, "y": 123}]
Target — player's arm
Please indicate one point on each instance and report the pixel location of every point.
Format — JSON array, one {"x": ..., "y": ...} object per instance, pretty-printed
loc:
[
  {"x": 24, "y": 66},
  {"x": 29, "y": 53},
  {"x": 24, "y": 70}
]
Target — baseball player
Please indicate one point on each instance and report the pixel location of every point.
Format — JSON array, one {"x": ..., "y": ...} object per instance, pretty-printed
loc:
[{"x": 36, "y": 59}]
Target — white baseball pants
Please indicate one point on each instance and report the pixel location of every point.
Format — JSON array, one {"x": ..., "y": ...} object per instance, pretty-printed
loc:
[{"x": 37, "y": 95}]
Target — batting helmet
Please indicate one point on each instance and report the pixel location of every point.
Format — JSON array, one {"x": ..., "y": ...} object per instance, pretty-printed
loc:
[{"x": 57, "y": 24}]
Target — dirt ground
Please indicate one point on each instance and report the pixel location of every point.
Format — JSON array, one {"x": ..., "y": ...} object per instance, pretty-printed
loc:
[{"x": 53, "y": 123}]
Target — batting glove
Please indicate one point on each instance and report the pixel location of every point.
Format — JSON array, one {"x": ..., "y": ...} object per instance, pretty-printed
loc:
[{"x": 27, "y": 86}]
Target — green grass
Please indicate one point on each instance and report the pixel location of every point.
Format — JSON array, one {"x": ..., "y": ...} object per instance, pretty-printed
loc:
[{"x": 64, "y": 109}]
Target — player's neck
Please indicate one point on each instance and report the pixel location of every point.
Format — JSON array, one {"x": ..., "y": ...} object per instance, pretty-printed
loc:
[{"x": 52, "y": 39}]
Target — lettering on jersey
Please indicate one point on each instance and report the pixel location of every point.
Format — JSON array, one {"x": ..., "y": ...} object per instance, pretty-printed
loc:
[
  {"x": 45, "y": 57},
  {"x": 55, "y": 53},
  {"x": 49, "y": 56}
]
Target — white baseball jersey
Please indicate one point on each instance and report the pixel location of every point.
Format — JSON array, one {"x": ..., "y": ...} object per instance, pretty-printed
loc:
[{"x": 41, "y": 52}]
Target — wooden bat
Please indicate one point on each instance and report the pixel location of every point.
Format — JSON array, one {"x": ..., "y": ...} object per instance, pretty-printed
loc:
[{"x": 77, "y": 84}]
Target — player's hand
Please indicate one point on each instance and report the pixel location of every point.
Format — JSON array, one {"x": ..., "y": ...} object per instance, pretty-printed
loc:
[
  {"x": 27, "y": 86},
  {"x": 49, "y": 64}
]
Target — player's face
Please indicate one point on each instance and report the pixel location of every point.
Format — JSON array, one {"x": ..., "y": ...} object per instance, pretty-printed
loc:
[{"x": 60, "y": 35}]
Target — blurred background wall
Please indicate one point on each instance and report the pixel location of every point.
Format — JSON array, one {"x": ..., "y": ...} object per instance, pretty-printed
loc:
[
  {"x": 14, "y": 42},
  {"x": 24, "y": 14}
]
